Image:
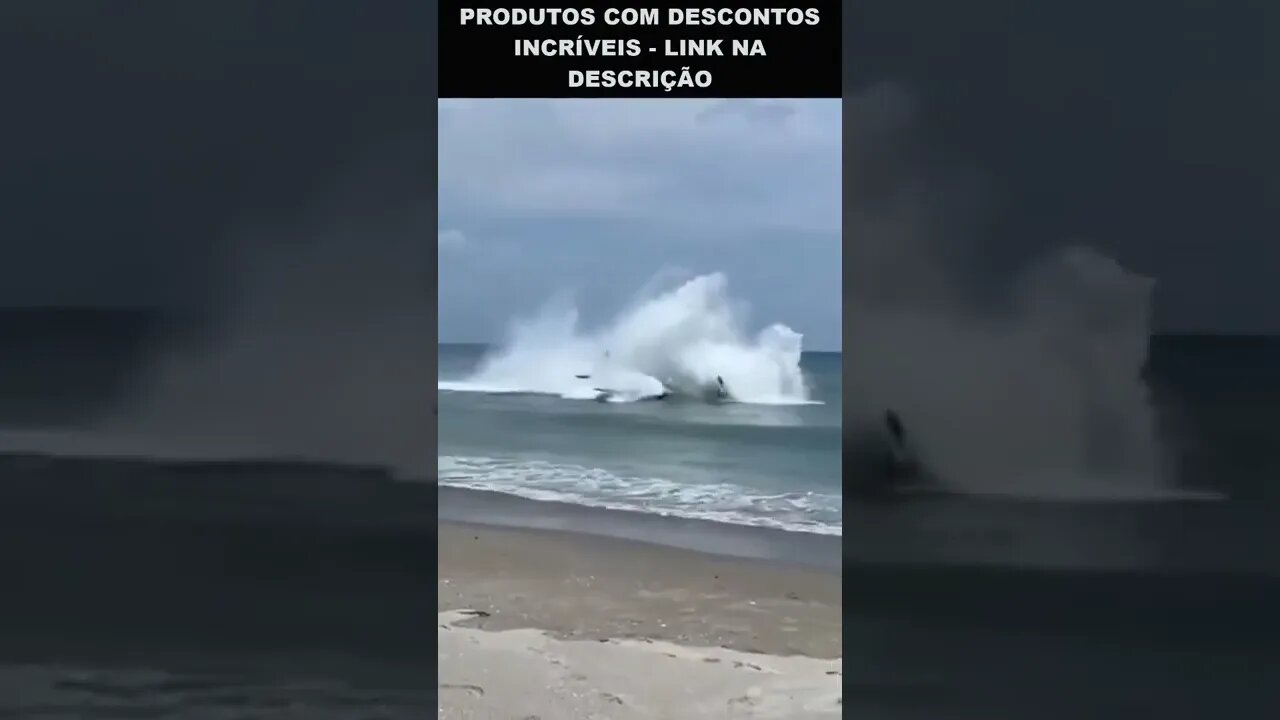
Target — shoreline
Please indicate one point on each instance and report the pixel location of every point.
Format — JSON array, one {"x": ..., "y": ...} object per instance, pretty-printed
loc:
[
  {"x": 503, "y": 510},
  {"x": 287, "y": 492}
]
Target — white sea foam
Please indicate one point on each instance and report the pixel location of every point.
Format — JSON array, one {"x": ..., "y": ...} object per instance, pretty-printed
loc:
[
  {"x": 679, "y": 340},
  {"x": 811, "y": 512}
]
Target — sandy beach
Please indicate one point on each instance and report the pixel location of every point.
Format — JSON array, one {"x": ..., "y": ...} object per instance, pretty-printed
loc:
[{"x": 545, "y": 624}]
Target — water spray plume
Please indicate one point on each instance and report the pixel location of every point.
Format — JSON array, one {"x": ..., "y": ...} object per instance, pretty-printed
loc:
[{"x": 681, "y": 340}]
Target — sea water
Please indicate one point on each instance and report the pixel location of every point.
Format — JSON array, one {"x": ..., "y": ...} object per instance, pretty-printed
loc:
[{"x": 525, "y": 416}]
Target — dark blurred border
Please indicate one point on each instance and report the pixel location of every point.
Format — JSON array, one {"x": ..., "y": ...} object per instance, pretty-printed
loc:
[
  {"x": 136, "y": 137},
  {"x": 1069, "y": 110}
]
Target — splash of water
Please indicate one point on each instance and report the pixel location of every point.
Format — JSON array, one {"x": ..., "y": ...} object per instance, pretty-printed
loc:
[
  {"x": 1040, "y": 397},
  {"x": 680, "y": 340},
  {"x": 1046, "y": 401}
]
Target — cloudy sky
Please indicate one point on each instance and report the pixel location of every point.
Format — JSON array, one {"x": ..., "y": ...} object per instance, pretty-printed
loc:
[{"x": 594, "y": 198}]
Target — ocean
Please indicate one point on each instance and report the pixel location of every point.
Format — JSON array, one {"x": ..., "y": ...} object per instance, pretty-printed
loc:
[
  {"x": 1214, "y": 401},
  {"x": 1064, "y": 599},
  {"x": 200, "y": 588},
  {"x": 768, "y": 465}
]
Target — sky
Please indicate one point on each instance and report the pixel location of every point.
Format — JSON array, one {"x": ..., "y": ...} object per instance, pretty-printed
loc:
[{"x": 596, "y": 197}]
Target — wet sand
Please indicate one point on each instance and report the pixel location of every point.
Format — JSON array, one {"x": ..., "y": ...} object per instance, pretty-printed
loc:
[{"x": 568, "y": 624}]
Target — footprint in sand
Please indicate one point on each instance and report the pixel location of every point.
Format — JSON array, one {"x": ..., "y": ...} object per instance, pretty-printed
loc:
[
  {"x": 751, "y": 699},
  {"x": 473, "y": 690}
]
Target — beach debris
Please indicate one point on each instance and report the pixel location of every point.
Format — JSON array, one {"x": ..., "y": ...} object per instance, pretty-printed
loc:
[{"x": 471, "y": 689}]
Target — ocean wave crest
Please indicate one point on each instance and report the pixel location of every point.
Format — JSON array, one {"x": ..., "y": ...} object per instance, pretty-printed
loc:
[{"x": 810, "y": 512}]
